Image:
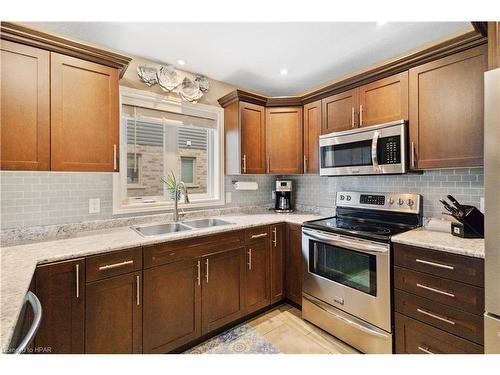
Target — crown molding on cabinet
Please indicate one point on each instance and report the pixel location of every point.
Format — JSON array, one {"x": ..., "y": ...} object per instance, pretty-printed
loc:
[
  {"x": 448, "y": 47},
  {"x": 21, "y": 34},
  {"x": 481, "y": 27}
]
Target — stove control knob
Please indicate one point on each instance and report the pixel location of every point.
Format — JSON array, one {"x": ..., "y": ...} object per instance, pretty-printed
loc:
[
  {"x": 391, "y": 200},
  {"x": 342, "y": 197},
  {"x": 401, "y": 201},
  {"x": 348, "y": 197},
  {"x": 410, "y": 202}
]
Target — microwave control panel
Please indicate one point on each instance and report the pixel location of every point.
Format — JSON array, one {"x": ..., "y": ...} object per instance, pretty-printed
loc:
[{"x": 389, "y": 150}]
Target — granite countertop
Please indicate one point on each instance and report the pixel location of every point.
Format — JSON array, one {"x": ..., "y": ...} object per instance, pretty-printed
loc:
[
  {"x": 18, "y": 263},
  {"x": 442, "y": 241}
]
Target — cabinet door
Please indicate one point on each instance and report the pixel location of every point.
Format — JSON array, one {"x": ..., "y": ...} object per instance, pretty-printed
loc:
[
  {"x": 113, "y": 315},
  {"x": 25, "y": 103},
  {"x": 253, "y": 138},
  {"x": 257, "y": 274},
  {"x": 312, "y": 131},
  {"x": 384, "y": 100},
  {"x": 277, "y": 262},
  {"x": 284, "y": 140},
  {"x": 294, "y": 263},
  {"x": 446, "y": 111},
  {"x": 84, "y": 115},
  {"x": 222, "y": 289},
  {"x": 172, "y": 305},
  {"x": 61, "y": 290},
  {"x": 339, "y": 112}
]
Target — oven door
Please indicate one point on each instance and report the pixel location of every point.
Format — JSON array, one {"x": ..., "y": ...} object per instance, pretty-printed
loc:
[
  {"x": 379, "y": 149},
  {"x": 348, "y": 273}
]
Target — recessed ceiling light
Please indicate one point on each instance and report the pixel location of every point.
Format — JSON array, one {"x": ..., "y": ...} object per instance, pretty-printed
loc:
[
  {"x": 381, "y": 23},
  {"x": 181, "y": 62},
  {"x": 283, "y": 72}
]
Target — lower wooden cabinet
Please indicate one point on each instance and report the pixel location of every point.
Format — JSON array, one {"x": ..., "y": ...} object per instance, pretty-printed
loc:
[
  {"x": 293, "y": 263},
  {"x": 172, "y": 305},
  {"x": 222, "y": 289},
  {"x": 113, "y": 315},
  {"x": 277, "y": 262},
  {"x": 60, "y": 287},
  {"x": 257, "y": 272}
]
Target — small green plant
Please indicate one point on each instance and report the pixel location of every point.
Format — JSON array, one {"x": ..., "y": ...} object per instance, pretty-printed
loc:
[{"x": 171, "y": 182}]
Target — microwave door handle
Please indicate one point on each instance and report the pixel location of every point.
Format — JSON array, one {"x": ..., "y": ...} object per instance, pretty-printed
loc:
[
  {"x": 376, "y": 135},
  {"x": 352, "y": 244}
]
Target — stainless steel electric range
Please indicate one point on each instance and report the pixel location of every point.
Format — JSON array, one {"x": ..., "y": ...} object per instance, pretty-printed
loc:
[{"x": 347, "y": 268}]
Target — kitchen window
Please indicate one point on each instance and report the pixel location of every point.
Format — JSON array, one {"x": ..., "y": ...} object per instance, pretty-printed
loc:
[{"x": 160, "y": 136}]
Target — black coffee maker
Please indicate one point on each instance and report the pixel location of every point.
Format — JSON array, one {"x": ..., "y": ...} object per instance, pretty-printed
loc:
[{"x": 283, "y": 196}]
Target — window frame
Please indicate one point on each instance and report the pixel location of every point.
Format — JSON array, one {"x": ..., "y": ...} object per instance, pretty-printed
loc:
[{"x": 146, "y": 99}]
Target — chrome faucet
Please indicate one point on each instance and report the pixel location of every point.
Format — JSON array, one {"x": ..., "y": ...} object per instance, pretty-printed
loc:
[{"x": 182, "y": 185}]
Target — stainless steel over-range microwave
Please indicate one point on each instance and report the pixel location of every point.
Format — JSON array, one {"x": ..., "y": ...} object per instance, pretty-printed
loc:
[{"x": 372, "y": 150}]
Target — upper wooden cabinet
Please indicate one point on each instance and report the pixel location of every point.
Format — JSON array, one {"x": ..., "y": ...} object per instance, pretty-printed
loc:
[
  {"x": 84, "y": 115},
  {"x": 25, "y": 114},
  {"x": 59, "y": 103},
  {"x": 60, "y": 288},
  {"x": 446, "y": 111},
  {"x": 284, "y": 140},
  {"x": 384, "y": 100},
  {"x": 312, "y": 131},
  {"x": 340, "y": 111},
  {"x": 493, "y": 45},
  {"x": 245, "y": 138}
]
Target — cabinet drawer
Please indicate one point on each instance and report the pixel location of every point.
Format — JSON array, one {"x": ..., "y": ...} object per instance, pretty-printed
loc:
[
  {"x": 457, "y": 322},
  {"x": 448, "y": 292},
  {"x": 413, "y": 337},
  {"x": 257, "y": 234},
  {"x": 112, "y": 264},
  {"x": 169, "y": 252},
  {"x": 451, "y": 266}
]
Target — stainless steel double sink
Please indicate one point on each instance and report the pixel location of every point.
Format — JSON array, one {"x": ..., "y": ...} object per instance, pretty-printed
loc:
[{"x": 160, "y": 229}]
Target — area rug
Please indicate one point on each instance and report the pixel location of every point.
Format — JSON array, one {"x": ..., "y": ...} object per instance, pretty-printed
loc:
[{"x": 243, "y": 339}]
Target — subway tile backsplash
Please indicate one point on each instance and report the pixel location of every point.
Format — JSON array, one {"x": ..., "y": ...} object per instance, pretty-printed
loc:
[{"x": 44, "y": 198}]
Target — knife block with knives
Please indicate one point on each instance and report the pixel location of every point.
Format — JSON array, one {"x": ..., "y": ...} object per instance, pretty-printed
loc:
[{"x": 470, "y": 219}]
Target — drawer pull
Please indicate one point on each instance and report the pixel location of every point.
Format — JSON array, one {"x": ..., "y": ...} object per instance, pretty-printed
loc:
[
  {"x": 425, "y": 350},
  {"x": 275, "y": 237},
  {"x": 258, "y": 235},
  {"x": 443, "y": 319},
  {"x": 115, "y": 265},
  {"x": 137, "y": 290},
  {"x": 439, "y": 265},
  {"x": 249, "y": 259},
  {"x": 77, "y": 273},
  {"x": 436, "y": 290},
  {"x": 199, "y": 273}
]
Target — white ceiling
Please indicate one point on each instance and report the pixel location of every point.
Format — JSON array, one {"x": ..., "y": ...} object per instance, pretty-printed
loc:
[{"x": 251, "y": 55}]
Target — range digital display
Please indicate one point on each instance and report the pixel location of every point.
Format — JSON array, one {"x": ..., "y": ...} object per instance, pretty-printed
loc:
[{"x": 378, "y": 200}]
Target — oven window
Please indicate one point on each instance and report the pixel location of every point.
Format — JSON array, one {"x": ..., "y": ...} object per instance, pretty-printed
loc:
[
  {"x": 347, "y": 155},
  {"x": 351, "y": 268}
]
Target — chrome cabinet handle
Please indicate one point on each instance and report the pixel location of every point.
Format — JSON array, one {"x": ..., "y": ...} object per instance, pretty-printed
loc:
[
  {"x": 436, "y": 290},
  {"x": 439, "y": 265},
  {"x": 244, "y": 163},
  {"x": 258, "y": 235},
  {"x": 360, "y": 115},
  {"x": 413, "y": 154},
  {"x": 115, "y": 265},
  {"x": 249, "y": 259},
  {"x": 137, "y": 292},
  {"x": 305, "y": 164},
  {"x": 426, "y": 350},
  {"x": 376, "y": 135},
  {"x": 206, "y": 273},
  {"x": 353, "y": 122},
  {"x": 435, "y": 316},
  {"x": 268, "y": 164},
  {"x": 36, "y": 306},
  {"x": 275, "y": 237},
  {"x": 198, "y": 278},
  {"x": 114, "y": 157},
  {"x": 77, "y": 275}
]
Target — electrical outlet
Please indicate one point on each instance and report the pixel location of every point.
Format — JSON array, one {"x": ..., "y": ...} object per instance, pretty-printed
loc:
[
  {"x": 94, "y": 205},
  {"x": 228, "y": 197}
]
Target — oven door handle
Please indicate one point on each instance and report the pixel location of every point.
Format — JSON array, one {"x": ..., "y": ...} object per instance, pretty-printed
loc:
[
  {"x": 351, "y": 243},
  {"x": 375, "y": 138},
  {"x": 346, "y": 320}
]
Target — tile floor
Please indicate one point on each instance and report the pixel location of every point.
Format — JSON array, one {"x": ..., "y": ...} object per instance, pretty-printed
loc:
[{"x": 281, "y": 330}]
